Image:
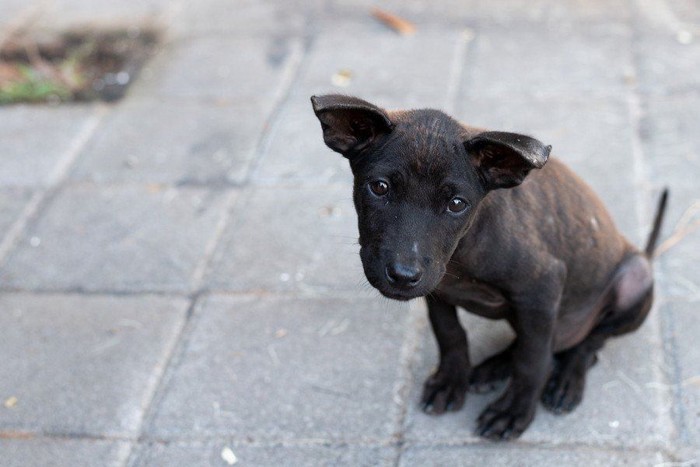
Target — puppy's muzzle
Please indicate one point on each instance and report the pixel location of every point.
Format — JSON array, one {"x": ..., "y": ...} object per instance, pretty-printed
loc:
[{"x": 403, "y": 276}]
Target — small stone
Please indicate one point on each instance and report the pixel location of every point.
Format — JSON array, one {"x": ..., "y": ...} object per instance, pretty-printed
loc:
[
  {"x": 10, "y": 402},
  {"x": 228, "y": 456},
  {"x": 342, "y": 78},
  {"x": 684, "y": 37}
]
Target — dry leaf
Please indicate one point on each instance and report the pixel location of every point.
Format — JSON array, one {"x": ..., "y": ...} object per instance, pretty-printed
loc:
[
  {"x": 10, "y": 402},
  {"x": 342, "y": 78},
  {"x": 396, "y": 23}
]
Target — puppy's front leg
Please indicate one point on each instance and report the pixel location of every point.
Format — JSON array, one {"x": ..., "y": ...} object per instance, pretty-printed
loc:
[
  {"x": 447, "y": 387},
  {"x": 512, "y": 413}
]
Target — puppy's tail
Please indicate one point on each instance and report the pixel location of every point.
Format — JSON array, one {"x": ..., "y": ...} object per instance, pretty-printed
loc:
[{"x": 658, "y": 220}]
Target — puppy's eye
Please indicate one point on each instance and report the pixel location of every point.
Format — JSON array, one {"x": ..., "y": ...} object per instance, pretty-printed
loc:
[
  {"x": 379, "y": 187},
  {"x": 457, "y": 205}
]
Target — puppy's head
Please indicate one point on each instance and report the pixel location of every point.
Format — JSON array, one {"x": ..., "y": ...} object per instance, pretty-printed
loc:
[{"x": 419, "y": 177}]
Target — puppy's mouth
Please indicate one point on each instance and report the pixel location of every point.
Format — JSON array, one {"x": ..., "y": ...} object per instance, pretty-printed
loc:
[{"x": 401, "y": 295}]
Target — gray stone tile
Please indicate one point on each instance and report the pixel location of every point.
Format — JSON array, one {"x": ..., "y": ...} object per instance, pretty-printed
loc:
[
  {"x": 666, "y": 16},
  {"x": 485, "y": 12},
  {"x": 626, "y": 402},
  {"x": 595, "y": 141},
  {"x": 273, "y": 17},
  {"x": 117, "y": 238},
  {"x": 12, "y": 201},
  {"x": 549, "y": 61},
  {"x": 290, "y": 239},
  {"x": 515, "y": 455},
  {"x": 63, "y": 14},
  {"x": 684, "y": 330},
  {"x": 83, "y": 365},
  {"x": 296, "y": 153},
  {"x": 13, "y": 11},
  {"x": 201, "y": 143},
  {"x": 223, "y": 68},
  {"x": 274, "y": 369},
  {"x": 667, "y": 66},
  {"x": 49, "y": 452},
  {"x": 401, "y": 72},
  {"x": 196, "y": 454},
  {"x": 672, "y": 144},
  {"x": 36, "y": 139}
]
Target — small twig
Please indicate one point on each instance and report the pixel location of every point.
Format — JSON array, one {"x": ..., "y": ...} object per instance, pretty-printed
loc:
[
  {"x": 396, "y": 23},
  {"x": 37, "y": 62},
  {"x": 682, "y": 229}
]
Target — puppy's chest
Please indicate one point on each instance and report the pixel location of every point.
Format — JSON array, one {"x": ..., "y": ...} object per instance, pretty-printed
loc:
[{"x": 474, "y": 296}]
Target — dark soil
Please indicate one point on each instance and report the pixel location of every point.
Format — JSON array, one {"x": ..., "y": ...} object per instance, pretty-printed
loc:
[{"x": 80, "y": 65}]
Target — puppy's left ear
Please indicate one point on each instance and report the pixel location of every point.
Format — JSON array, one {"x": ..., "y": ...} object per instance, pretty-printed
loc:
[
  {"x": 504, "y": 159},
  {"x": 350, "y": 125}
]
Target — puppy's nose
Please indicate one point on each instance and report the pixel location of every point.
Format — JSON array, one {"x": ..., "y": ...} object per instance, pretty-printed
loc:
[{"x": 403, "y": 275}]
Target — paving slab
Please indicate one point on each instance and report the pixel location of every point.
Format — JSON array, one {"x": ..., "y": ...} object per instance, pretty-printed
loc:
[
  {"x": 486, "y": 12},
  {"x": 314, "y": 251},
  {"x": 666, "y": 16},
  {"x": 684, "y": 329},
  {"x": 517, "y": 455},
  {"x": 48, "y": 452},
  {"x": 672, "y": 145},
  {"x": 527, "y": 61},
  {"x": 13, "y": 12},
  {"x": 36, "y": 139},
  {"x": 204, "y": 454},
  {"x": 273, "y": 17},
  {"x": 667, "y": 62},
  {"x": 401, "y": 72},
  {"x": 627, "y": 401},
  {"x": 238, "y": 70},
  {"x": 64, "y": 14},
  {"x": 596, "y": 141},
  {"x": 12, "y": 201},
  {"x": 117, "y": 238},
  {"x": 202, "y": 143},
  {"x": 259, "y": 368},
  {"x": 83, "y": 365}
]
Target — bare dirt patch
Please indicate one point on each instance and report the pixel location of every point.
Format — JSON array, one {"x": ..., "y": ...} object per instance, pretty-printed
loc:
[{"x": 79, "y": 65}]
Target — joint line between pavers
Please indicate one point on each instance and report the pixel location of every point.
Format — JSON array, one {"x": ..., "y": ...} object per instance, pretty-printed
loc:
[
  {"x": 464, "y": 38},
  {"x": 172, "y": 361},
  {"x": 298, "y": 56},
  {"x": 56, "y": 178},
  {"x": 209, "y": 250},
  {"x": 402, "y": 387},
  {"x": 154, "y": 393},
  {"x": 644, "y": 182}
]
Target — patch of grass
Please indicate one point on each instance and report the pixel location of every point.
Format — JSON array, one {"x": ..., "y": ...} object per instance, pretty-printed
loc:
[
  {"x": 74, "y": 66},
  {"x": 32, "y": 87}
]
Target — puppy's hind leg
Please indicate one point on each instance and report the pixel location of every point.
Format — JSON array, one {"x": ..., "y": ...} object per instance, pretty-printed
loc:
[{"x": 629, "y": 302}]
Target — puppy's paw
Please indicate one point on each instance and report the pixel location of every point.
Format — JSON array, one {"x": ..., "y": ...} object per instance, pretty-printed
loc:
[
  {"x": 443, "y": 392},
  {"x": 447, "y": 388},
  {"x": 487, "y": 376},
  {"x": 506, "y": 418},
  {"x": 564, "y": 389}
]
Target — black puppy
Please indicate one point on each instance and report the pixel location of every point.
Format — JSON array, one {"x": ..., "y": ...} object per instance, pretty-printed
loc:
[{"x": 543, "y": 254}]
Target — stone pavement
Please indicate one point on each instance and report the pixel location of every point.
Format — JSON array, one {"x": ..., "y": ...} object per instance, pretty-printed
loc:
[{"x": 179, "y": 271}]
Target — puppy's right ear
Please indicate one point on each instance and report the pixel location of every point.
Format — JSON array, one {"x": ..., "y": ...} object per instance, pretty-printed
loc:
[{"x": 350, "y": 125}]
